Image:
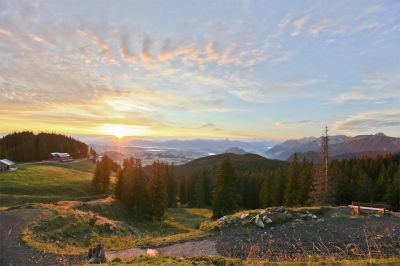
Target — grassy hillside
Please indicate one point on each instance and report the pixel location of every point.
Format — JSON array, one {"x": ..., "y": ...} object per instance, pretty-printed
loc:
[
  {"x": 42, "y": 183},
  {"x": 242, "y": 163},
  {"x": 71, "y": 227}
]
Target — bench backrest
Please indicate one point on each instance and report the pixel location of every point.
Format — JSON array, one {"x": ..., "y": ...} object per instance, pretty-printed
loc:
[{"x": 371, "y": 205}]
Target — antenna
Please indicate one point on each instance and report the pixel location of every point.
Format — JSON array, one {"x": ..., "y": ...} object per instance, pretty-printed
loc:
[
  {"x": 320, "y": 193},
  {"x": 325, "y": 154}
]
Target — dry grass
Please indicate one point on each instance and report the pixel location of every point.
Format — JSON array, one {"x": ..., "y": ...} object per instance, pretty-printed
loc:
[
  {"x": 71, "y": 227},
  {"x": 217, "y": 260}
]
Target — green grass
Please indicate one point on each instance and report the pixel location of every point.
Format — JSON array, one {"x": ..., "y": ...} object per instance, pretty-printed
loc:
[
  {"x": 33, "y": 183},
  {"x": 82, "y": 165},
  {"x": 71, "y": 229}
]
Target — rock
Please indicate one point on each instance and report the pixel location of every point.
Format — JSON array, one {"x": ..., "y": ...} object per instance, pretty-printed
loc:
[
  {"x": 97, "y": 255},
  {"x": 258, "y": 222},
  {"x": 267, "y": 220},
  {"x": 223, "y": 221},
  {"x": 152, "y": 252},
  {"x": 314, "y": 216},
  {"x": 289, "y": 215},
  {"x": 244, "y": 216},
  {"x": 280, "y": 209},
  {"x": 263, "y": 212}
]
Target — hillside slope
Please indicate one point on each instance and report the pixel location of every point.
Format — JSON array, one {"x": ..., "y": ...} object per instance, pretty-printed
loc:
[{"x": 243, "y": 163}]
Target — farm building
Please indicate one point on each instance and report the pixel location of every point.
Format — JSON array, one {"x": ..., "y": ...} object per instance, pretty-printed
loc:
[
  {"x": 7, "y": 165},
  {"x": 61, "y": 157}
]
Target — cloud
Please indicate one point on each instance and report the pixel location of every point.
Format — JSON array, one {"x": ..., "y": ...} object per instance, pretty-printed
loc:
[
  {"x": 145, "y": 53},
  {"x": 375, "y": 86},
  {"x": 38, "y": 39},
  {"x": 5, "y": 32},
  {"x": 254, "y": 92},
  {"x": 369, "y": 121},
  {"x": 298, "y": 25},
  {"x": 125, "y": 50},
  {"x": 366, "y": 26},
  {"x": 292, "y": 124},
  {"x": 317, "y": 28}
]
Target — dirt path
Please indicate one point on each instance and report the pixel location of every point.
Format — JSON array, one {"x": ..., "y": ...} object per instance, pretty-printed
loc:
[
  {"x": 190, "y": 248},
  {"x": 14, "y": 252}
]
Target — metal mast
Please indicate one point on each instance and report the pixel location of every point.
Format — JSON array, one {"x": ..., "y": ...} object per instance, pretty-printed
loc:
[{"x": 325, "y": 154}]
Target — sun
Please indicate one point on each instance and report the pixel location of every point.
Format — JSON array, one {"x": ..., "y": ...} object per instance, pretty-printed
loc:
[{"x": 121, "y": 131}]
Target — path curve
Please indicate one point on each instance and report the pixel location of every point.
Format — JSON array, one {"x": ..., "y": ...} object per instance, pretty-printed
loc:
[
  {"x": 204, "y": 247},
  {"x": 15, "y": 252}
]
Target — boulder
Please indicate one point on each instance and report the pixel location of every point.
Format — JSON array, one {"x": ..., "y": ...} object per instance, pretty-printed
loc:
[
  {"x": 258, "y": 222},
  {"x": 244, "y": 216},
  {"x": 152, "y": 252},
  {"x": 267, "y": 220}
]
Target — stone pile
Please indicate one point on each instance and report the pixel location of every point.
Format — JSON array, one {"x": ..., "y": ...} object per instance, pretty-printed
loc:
[{"x": 275, "y": 215}]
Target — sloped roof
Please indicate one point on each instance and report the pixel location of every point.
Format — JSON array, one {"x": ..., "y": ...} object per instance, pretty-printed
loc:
[
  {"x": 61, "y": 154},
  {"x": 7, "y": 162}
]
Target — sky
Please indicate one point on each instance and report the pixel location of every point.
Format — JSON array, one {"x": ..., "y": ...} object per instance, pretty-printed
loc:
[{"x": 237, "y": 69}]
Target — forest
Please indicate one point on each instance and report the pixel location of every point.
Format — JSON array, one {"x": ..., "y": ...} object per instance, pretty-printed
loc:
[
  {"x": 27, "y": 146},
  {"x": 226, "y": 190}
]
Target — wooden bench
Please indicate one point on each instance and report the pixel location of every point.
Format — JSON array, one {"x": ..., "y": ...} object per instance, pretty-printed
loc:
[{"x": 371, "y": 207}]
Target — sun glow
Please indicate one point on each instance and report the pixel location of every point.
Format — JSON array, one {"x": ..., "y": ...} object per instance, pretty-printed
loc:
[{"x": 121, "y": 131}]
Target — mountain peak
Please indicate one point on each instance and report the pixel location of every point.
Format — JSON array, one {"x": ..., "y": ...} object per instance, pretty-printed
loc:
[{"x": 380, "y": 134}]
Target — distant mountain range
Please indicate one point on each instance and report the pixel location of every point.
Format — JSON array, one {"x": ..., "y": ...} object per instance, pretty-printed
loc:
[{"x": 340, "y": 146}]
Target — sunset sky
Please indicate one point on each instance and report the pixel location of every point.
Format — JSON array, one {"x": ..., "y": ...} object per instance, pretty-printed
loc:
[{"x": 253, "y": 69}]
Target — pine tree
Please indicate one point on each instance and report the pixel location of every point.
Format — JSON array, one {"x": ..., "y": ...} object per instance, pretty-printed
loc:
[
  {"x": 305, "y": 182},
  {"x": 199, "y": 192},
  {"x": 225, "y": 197},
  {"x": 139, "y": 194},
  {"x": 291, "y": 190},
  {"x": 171, "y": 184},
  {"x": 158, "y": 191},
  {"x": 182, "y": 191},
  {"x": 97, "y": 182},
  {"x": 393, "y": 191},
  {"x": 119, "y": 186},
  {"x": 265, "y": 193},
  {"x": 101, "y": 178}
]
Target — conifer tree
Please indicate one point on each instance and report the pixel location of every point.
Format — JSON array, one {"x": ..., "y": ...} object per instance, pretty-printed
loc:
[
  {"x": 225, "y": 197},
  {"x": 199, "y": 191},
  {"x": 97, "y": 182},
  {"x": 393, "y": 191},
  {"x": 171, "y": 184},
  {"x": 291, "y": 190},
  {"x": 101, "y": 178},
  {"x": 182, "y": 191},
  {"x": 158, "y": 191},
  {"x": 139, "y": 196}
]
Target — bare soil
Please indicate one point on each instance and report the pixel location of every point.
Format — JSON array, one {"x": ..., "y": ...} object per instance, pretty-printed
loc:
[
  {"x": 336, "y": 234},
  {"x": 14, "y": 252}
]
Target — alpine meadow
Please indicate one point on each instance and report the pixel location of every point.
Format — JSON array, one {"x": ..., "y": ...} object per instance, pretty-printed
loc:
[{"x": 231, "y": 132}]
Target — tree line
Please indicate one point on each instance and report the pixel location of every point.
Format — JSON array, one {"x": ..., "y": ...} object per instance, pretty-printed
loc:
[
  {"x": 226, "y": 190},
  {"x": 27, "y": 146},
  {"x": 374, "y": 180}
]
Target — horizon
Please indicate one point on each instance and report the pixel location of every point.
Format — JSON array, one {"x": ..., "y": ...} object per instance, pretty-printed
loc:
[
  {"x": 82, "y": 137},
  {"x": 247, "y": 70}
]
